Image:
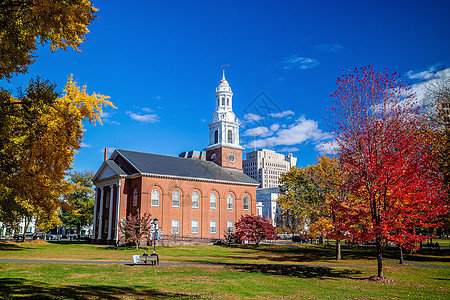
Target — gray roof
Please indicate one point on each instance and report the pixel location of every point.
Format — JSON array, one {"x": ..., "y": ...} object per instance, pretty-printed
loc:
[
  {"x": 154, "y": 164},
  {"x": 116, "y": 167}
]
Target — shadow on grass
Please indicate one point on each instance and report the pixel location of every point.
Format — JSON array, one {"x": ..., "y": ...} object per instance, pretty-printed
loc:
[
  {"x": 299, "y": 271},
  {"x": 279, "y": 253},
  {"x": 11, "y": 288},
  {"x": 66, "y": 242},
  {"x": 10, "y": 247}
]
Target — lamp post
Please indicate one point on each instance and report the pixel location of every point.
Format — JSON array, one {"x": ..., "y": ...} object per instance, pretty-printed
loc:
[{"x": 155, "y": 229}]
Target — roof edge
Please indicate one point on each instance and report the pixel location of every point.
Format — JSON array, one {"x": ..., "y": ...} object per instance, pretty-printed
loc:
[{"x": 191, "y": 178}]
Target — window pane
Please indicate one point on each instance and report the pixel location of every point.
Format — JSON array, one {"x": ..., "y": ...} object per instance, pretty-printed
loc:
[
  {"x": 176, "y": 199},
  {"x": 213, "y": 200},
  {"x": 155, "y": 197},
  {"x": 195, "y": 199},
  {"x": 135, "y": 193},
  {"x": 246, "y": 202},
  {"x": 194, "y": 226},
  {"x": 175, "y": 227},
  {"x": 230, "y": 201},
  {"x": 212, "y": 227},
  {"x": 229, "y": 226}
]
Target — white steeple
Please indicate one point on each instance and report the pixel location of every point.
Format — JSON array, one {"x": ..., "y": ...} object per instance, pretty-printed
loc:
[{"x": 224, "y": 128}]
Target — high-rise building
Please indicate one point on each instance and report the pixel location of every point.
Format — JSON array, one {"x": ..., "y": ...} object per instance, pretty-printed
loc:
[{"x": 266, "y": 166}]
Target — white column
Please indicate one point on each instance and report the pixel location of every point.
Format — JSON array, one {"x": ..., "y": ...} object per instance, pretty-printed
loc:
[
  {"x": 101, "y": 214},
  {"x": 95, "y": 214},
  {"x": 117, "y": 211},
  {"x": 110, "y": 210}
]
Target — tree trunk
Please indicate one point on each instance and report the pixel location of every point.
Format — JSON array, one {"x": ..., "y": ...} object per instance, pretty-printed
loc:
[
  {"x": 379, "y": 257},
  {"x": 338, "y": 250},
  {"x": 401, "y": 255}
]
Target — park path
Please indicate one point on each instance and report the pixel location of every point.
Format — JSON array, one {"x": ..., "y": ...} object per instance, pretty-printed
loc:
[{"x": 167, "y": 264}]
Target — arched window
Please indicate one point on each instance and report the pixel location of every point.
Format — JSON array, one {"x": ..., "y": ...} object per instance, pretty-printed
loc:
[
  {"x": 230, "y": 201},
  {"x": 223, "y": 100},
  {"x": 230, "y": 136},
  {"x": 216, "y": 137},
  {"x": 213, "y": 201},
  {"x": 195, "y": 198},
  {"x": 135, "y": 194},
  {"x": 155, "y": 197},
  {"x": 175, "y": 199},
  {"x": 246, "y": 202}
]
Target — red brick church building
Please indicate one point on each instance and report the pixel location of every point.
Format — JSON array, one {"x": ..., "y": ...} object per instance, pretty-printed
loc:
[{"x": 190, "y": 197}]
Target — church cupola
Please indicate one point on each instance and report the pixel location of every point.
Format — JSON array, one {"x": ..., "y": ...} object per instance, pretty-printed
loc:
[{"x": 224, "y": 148}]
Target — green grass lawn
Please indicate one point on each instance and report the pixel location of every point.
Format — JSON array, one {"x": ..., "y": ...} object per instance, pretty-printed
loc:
[{"x": 118, "y": 281}]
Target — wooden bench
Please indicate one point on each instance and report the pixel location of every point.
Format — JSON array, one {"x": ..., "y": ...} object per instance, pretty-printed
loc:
[{"x": 153, "y": 258}]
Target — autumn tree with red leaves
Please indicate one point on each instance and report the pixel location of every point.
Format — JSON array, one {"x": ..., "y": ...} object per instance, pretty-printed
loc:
[
  {"x": 136, "y": 228},
  {"x": 255, "y": 229},
  {"x": 394, "y": 185}
]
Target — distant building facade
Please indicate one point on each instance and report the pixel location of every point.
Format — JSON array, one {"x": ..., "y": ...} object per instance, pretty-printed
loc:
[
  {"x": 193, "y": 154},
  {"x": 266, "y": 166},
  {"x": 267, "y": 198}
]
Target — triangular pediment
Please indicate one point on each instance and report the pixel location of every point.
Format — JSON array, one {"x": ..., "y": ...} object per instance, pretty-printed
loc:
[{"x": 108, "y": 169}]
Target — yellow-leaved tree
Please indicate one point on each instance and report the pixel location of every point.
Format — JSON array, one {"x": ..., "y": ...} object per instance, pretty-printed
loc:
[
  {"x": 42, "y": 134},
  {"x": 26, "y": 24}
]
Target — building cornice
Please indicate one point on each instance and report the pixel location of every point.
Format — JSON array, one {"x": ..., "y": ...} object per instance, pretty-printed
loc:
[{"x": 137, "y": 175}]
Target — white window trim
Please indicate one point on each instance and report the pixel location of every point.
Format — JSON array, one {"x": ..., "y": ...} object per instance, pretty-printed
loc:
[
  {"x": 248, "y": 203},
  {"x": 192, "y": 226},
  {"x": 198, "y": 200},
  {"x": 151, "y": 198},
  {"x": 232, "y": 200},
  {"x": 172, "y": 227},
  {"x": 179, "y": 198},
  {"x": 211, "y": 227},
  {"x": 215, "y": 202}
]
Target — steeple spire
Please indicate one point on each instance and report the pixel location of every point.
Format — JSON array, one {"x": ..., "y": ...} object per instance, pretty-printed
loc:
[{"x": 223, "y": 77}]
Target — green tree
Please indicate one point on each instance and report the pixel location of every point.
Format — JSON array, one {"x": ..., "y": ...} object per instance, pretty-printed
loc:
[
  {"x": 300, "y": 200},
  {"x": 26, "y": 24},
  {"x": 78, "y": 207}
]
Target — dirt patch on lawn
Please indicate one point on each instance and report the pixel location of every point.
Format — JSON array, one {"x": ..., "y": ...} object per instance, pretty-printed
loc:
[
  {"x": 382, "y": 280},
  {"x": 38, "y": 241}
]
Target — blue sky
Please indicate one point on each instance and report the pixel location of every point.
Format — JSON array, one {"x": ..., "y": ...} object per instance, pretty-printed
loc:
[{"x": 160, "y": 62}]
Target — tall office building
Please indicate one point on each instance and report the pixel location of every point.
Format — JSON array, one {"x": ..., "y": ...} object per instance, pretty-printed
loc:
[{"x": 266, "y": 166}]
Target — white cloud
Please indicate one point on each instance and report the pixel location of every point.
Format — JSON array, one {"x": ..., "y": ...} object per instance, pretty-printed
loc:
[
  {"x": 288, "y": 149},
  {"x": 84, "y": 145},
  {"x": 106, "y": 115},
  {"x": 419, "y": 89},
  {"x": 327, "y": 48},
  {"x": 282, "y": 114},
  {"x": 424, "y": 75},
  {"x": 329, "y": 147},
  {"x": 259, "y": 131},
  {"x": 301, "y": 131},
  {"x": 115, "y": 123},
  {"x": 146, "y": 109},
  {"x": 253, "y": 117},
  {"x": 153, "y": 118},
  {"x": 274, "y": 127},
  {"x": 301, "y": 63}
]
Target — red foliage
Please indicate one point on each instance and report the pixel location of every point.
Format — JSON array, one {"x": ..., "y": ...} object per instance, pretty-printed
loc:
[
  {"x": 394, "y": 185},
  {"x": 136, "y": 228},
  {"x": 255, "y": 229}
]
